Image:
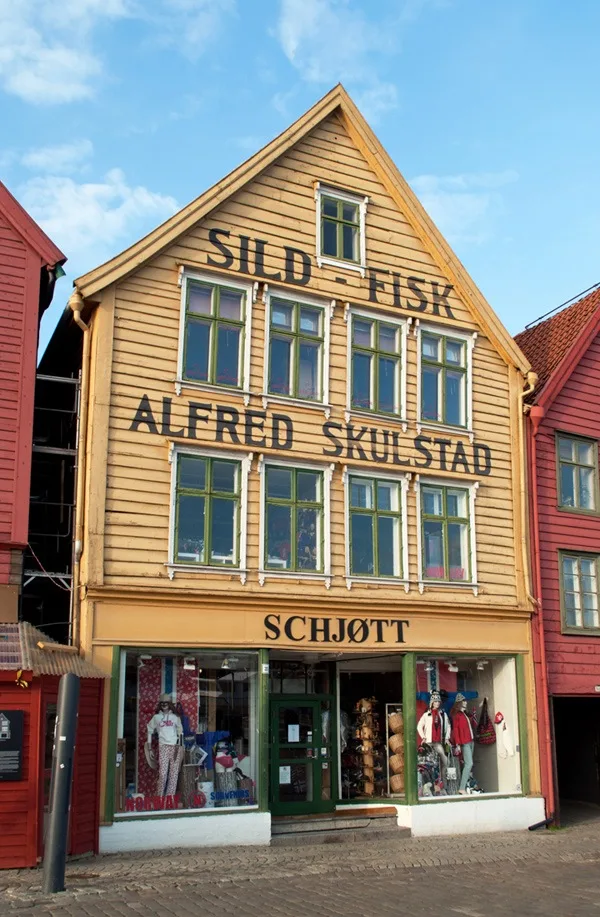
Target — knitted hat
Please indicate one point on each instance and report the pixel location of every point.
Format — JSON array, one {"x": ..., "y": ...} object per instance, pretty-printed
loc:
[
  {"x": 165, "y": 699},
  {"x": 459, "y": 697},
  {"x": 435, "y": 696}
]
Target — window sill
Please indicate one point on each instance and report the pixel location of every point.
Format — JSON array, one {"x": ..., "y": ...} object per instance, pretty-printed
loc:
[
  {"x": 345, "y": 265},
  {"x": 276, "y": 574},
  {"x": 298, "y": 402},
  {"x": 205, "y": 568},
  {"x": 389, "y": 418},
  {"x": 446, "y": 584},
  {"x": 444, "y": 428},
  {"x": 581, "y": 631},
  {"x": 577, "y": 511},
  {"x": 378, "y": 580},
  {"x": 182, "y": 813},
  {"x": 181, "y": 384}
]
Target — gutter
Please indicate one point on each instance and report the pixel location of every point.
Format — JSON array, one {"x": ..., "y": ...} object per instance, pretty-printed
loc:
[{"x": 76, "y": 304}]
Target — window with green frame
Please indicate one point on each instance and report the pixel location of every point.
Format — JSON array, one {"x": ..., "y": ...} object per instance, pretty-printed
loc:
[
  {"x": 375, "y": 527},
  {"x": 293, "y": 519},
  {"x": 577, "y": 473},
  {"x": 207, "y": 511},
  {"x": 445, "y": 534},
  {"x": 214, "y": 333},
  {"x": 443, "y": 379},
  {"x": 340, "y": 228},
  {"x": 296, "y": 335},
  {"x": 579, "y": 590},
  {"x": 376, "y": 365}
]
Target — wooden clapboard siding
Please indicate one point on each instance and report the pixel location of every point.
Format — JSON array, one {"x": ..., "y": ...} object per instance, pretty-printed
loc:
[
  {"x": 278, "y": 206},
  {"x": 573, "y": 661}
]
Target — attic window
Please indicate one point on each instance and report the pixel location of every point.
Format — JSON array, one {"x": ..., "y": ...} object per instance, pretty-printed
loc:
[{"x": 340, "y": 228}]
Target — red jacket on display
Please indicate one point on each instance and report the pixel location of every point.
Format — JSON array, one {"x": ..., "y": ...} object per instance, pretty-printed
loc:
[{"x": 462, "y": 731}]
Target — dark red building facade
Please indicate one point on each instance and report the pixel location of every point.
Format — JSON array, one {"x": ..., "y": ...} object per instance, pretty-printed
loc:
[
  {"x": 28, "y": 268},
  {"x": 563, "y": 432}
]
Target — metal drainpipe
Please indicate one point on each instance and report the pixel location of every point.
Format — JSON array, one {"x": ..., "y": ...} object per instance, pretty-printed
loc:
[
  {"x": 536, "y": 416},
  {"x": 76, "y": 303},
  {"x": 532, "y": 379}
]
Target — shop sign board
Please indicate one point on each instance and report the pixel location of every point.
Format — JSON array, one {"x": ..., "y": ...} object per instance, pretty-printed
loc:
[
  {"x": 11, "y": 744},
  {"x": 305, "y": 629}
]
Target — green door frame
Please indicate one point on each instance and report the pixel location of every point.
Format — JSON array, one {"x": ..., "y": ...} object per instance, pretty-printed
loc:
[{"x": 317, "y": 804}]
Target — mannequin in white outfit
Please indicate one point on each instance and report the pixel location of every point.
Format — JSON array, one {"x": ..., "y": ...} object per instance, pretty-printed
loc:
[{"x": 434, "y": 729}]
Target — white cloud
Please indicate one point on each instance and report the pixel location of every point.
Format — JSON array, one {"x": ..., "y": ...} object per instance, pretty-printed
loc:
[
  {"x": 60, "y": 160},
  {"x": 91, "y": 221},
  {"x": 377, "y": 100},
  {"x": 189, "y": 25},
  {"x": 465, "y": 206}
]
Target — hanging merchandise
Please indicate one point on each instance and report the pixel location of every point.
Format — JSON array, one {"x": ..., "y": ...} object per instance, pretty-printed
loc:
[
  {"x": 485, "y": 733},
  {"x": 362, "y": 759},
  {"x": 395, "y": 748},
  {"x": 505, "y": 745}
]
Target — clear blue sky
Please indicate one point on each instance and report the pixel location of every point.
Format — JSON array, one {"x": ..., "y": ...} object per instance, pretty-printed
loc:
[{"x": 117, "y": 112}]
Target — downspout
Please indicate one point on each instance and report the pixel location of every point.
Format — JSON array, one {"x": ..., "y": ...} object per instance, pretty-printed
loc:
[
  {"x": 536, "y": 415},
  {"x": 532, "y": 379},
  {"x": 76, "y": 304}
]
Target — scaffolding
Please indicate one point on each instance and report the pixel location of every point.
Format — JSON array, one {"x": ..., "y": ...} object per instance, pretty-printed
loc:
[{"x": 46, "y": 599}]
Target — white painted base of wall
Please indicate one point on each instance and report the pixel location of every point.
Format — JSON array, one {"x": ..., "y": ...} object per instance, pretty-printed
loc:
[
  {"x": 227, "y": 830},
  {"x": 471, "y": 816}
]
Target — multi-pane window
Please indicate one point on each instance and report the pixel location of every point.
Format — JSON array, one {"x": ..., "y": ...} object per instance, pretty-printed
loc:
[
  {"x": 445, "y": 533},
  {"x": 296, "y": 350},
  {"x": 376, "y": 365},
  {"x": 375, "y": 527},
  {"x": 443, "y": 379},
  {"x": 294, "y": 519},
  {"x": 214, "y": 333},
  {"x": 577, "y": 473},
  {"x": 207, "y": 511},
  {"x": 579, "y": 586},
  {"x": 340, "y": 228}
]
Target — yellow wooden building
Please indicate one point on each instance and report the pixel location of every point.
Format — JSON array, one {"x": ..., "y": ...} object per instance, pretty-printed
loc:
[{"x": 301, "y": 510}]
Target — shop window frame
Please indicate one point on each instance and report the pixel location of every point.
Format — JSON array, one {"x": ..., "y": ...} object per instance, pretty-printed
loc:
[
  {"x": 326, "y": 307},
  {"x": 590, "y": 441},
  {"x": 446, "y": 333},
  {"x": 244, "y": 462},
  {"x": 326, "y": 471},
  {"x": 575, "y": 629},
  {"x": 323, "y": 191},
  {"x": 189, "y": 277},
  {"x": 403, "y": 482},
  {"x": 447, "y": 484},
  {"x": 403, "y": 325}
]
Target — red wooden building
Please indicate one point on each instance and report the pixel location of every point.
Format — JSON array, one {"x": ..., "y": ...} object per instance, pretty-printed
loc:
[
  {"x": 29, "y": 677},
  {"x": 28, "y": 268},
  {"x": 563, "y": 433}
]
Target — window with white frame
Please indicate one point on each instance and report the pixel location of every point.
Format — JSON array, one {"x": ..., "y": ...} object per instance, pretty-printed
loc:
[
  {"x": 445, "y": 377},
  {"x": 377, "y": 364},
  {"x": 375, "y": 527},
  {"x": 340, "y": 228},
  {"x": 577, "y": 473},
  {"x": 296, "y": 345},
  {"x": 209, "y": 506},
  {"x": 295, "y": 515},
  {"x": 214, "y": 340},
  {"x": 579, "y": 591},
  {"x": 446, "y": 533}
]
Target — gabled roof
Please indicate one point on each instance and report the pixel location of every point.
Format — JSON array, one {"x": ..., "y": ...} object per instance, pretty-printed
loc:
[
  {"x": 19, "y": 650},
  {"x": 555, "y": 346},
  {"x": 337, "y": 100},
  {"x": 28, "y": 229}
]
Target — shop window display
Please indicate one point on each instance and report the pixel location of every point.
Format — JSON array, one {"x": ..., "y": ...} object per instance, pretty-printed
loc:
[
  {"x": 187, "y": 737},
  {"x": 467, "y": 727}
]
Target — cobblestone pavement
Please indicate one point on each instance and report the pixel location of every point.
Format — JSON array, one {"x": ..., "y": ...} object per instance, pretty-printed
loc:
[{"x": 521, "y": 873}]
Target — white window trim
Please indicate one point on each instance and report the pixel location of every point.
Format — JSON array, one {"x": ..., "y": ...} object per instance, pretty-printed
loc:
[
  {"x": 185, "y": 275},
  {"x": 404, "y": 325},
  {"x": 469, "y": 337},
  {"x": 327, "y": 472},
  {"x": 403, "y": 480},
  {"x": 350, "y": 198},
  {"x": 327, "y": 306},
  {"x": 245, "y": 460},
  {"x": 472, "y": 487}
]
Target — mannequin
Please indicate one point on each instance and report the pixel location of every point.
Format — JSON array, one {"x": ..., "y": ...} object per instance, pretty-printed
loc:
[
  {"x": 167, "y": 725},
  {"x": 462, "y": 739},
  {"x": 434, "y": 728}
]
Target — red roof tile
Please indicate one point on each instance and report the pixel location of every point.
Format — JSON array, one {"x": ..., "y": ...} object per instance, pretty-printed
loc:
[{"x": 548, "y": 342}]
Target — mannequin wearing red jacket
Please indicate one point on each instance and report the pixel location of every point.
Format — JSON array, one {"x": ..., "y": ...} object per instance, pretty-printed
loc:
[{"x": 462, "y": 737}]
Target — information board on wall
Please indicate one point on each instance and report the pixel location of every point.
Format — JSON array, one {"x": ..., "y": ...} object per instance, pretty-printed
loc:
[{"x": 11, "y": 744}]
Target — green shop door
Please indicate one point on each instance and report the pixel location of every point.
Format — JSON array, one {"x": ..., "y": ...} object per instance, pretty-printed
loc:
[{"x": 301, "y": 760}]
